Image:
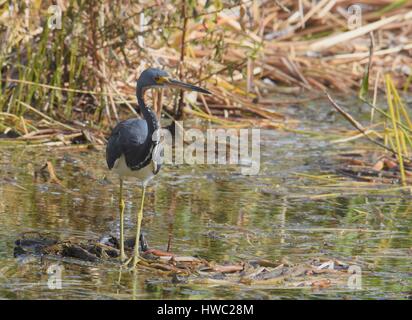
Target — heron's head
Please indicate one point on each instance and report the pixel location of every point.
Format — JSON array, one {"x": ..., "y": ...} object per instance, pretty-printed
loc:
[{"x": 156, "y": 78}]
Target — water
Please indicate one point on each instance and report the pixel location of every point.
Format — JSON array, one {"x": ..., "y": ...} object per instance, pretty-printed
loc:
[{"x": 208, "y": 211}]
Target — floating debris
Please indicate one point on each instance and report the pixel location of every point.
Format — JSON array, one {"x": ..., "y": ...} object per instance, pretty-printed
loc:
[{"x": 315, "y": 274}]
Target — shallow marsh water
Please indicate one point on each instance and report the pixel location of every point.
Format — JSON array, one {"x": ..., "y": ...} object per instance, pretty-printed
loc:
[{"x": 212, "y": 212}]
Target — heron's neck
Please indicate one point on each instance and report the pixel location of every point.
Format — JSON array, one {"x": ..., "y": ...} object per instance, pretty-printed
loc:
[{"x": 146, "y": 112}]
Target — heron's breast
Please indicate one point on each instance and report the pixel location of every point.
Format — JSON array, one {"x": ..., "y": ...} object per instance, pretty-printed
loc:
[{"x": 143, "y": 174}]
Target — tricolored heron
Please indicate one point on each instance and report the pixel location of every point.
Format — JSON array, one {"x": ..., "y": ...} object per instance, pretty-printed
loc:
[{"x": 131, "y": 150}]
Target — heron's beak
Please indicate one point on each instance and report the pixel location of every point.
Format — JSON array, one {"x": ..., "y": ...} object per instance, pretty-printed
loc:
[{"x": 185, "y": 86}]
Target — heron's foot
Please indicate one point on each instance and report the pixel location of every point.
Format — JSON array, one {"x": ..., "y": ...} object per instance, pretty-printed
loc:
[
  {"x": 125, "y": 262},
  {"x": 122, "y": 257},
  {"x": 136, "y": 260}
]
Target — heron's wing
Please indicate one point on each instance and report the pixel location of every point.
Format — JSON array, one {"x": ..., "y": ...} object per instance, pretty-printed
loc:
[{"x": 129, "y": 138}]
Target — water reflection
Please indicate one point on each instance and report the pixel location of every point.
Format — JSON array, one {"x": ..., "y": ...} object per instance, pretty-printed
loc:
[{"x": 210, "y": 212}]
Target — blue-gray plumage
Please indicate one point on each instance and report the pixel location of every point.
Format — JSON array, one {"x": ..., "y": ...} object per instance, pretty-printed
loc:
[
  {"x": 132, "y": 147},
  {"x": 130, "y": 138}
]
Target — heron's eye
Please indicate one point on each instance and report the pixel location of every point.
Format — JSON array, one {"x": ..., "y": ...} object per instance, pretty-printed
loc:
[{"x": 157, "y": 78}]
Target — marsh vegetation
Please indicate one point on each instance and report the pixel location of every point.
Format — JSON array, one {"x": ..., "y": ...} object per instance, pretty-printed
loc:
[{"x": 329, "y": 89}]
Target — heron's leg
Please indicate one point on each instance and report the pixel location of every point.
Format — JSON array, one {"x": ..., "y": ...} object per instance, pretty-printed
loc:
[
  {"x": 139, "y": 222},
  {"x": 134, "y": 292},
  {"x": 121, "y": 207}
]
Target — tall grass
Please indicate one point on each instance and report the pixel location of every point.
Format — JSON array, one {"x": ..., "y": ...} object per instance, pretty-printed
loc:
[
  {"x": 396, "y": 134},
  {"x": 241, "y": 50}
]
